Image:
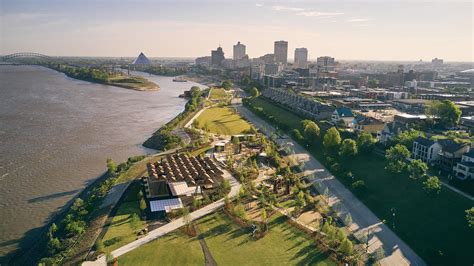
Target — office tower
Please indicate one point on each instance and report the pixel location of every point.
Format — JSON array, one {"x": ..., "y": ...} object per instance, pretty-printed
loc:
[
  {"x": 281, "y": 52},
  {"x": 301, "y": 58},
  {"x": 239, "y": 51},
  {"x": 217, "y": 56}
]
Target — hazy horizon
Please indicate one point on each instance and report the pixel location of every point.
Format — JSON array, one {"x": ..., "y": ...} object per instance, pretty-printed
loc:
[{"x": 347, "y": 30}]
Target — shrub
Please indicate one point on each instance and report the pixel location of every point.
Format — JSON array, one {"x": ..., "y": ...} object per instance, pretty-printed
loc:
[{"x": 359, "y": 186}]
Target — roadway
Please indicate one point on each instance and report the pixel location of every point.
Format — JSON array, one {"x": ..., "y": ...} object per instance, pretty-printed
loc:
[{"x": 397, "y": 252}]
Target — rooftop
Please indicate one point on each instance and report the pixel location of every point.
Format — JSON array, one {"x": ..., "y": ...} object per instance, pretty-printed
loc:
[
  {"x": 344, "y": 112},
  {"x": 424, "y": 141},
  {"x": 181, "y": 169},
  {"x": 450, "y": 145}
]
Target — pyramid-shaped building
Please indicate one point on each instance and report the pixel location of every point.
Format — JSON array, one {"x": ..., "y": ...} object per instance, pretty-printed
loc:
[{"x": 141, "y": 60}]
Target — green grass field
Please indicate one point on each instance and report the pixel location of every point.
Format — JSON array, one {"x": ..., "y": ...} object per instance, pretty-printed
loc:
[
  {"x": 283, "y": 245},
  {"x": 223, "y": 120},
  {"x": 218, "y": 94},
  {"x": 433, "y": 225},
  {"x": 175, "y": 248},
  {"x": 120, "y": 232},
  {"x": 292, "y": 120}
]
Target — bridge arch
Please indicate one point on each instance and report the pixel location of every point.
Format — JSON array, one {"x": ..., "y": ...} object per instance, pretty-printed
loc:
[{"x": 24, "y": 55}]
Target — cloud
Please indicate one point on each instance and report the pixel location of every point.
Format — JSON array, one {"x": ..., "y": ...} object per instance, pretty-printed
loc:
[
  {"x": 287, "y": 8},
  {"x": 359, "y": 19},
  {"x": 319, "y": 14}
]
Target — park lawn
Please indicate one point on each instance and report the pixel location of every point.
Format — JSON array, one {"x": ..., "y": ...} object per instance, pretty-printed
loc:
[
  {"x": 218, "y": 94},
  {"x": 430, "y": 224},
  {"x": 292, "y": 120},
  {"x": 434, "y": 226},
  {"x": 120, "y": 231},
  {"x": 223, "y": 120},
  {"x": 175, "y": 248},
  {"x": 231, "y": 244}
]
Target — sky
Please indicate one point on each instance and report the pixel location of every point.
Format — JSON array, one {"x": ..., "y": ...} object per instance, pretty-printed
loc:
[{"x": 345, "y": 29}]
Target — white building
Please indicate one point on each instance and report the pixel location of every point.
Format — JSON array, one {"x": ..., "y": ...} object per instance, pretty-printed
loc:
[
  {"x": 465, "y": 169},
  {"x": 301, "y": 58},
  {"x": 281, "y": 52},
  {"x": 239, "y": 51}
]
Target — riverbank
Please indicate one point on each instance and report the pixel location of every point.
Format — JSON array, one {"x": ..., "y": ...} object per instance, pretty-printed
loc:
[
  {"x": 205, "y": 80},
  {"x": 104, "y": 77}
]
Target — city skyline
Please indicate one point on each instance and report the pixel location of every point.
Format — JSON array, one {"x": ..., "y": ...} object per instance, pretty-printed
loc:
[{"x": 347, "y": 30}]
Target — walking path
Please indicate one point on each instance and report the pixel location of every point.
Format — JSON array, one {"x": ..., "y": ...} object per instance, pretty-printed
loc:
[
  {"x": 457, "y": 190},
  {"x": 397, "y": 252}
]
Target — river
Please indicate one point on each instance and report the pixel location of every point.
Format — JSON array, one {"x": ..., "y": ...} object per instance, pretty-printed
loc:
[{"x": 56, "y": 134}]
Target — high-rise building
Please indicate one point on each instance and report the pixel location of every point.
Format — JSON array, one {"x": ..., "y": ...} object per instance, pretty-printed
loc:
[
  {"x": 325, "y": 63},
  {"x": 281, "y": 52},
  {"x": 239, "y": 51},
  {"x": 301, "y": 58},
  {"x": 217, "y": 56},
  {"x": 436, "y": 62}
]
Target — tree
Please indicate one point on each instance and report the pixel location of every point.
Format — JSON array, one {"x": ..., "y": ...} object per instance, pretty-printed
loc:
[
  {"x": 264, "y": 215},
  {"x": 470, "y": 217},
  {"x": 365, "y": 143},
  {"x": 311, "y": 130},
  {"x": 446, "y": 111},
  {"x": 341, "y": 235},
  {"x": 348, "y": 148},
  {"x": 76, "y": 227},
  {"x": 99, "y": 245},
  {"x": 239, "y": 211},
  {"x": 225, "y": 186},
  {"x": 54, "y": 246},
  {"x": 134, "y": 222},
  {"x": 346, "y": 247},
  {"x": 186, "y": 216},
  {"x": 407, "y": 137},
  {"x": 432, "y": 184},
  {"x": 297, "y": 135},
  {"x": 195, "y": 91},
  {"x": 254, "y": 92},
  {"x": 111, "y": 166},
  {"x": 52, "y": 230},
  {"x": 227, "y": 84},
  {"x": 396, "y": 157},
  {"x": 300, "y": 199},
  {"x": 78, "y": 208},
  {"x": 332, "y": 140},
  {"x": 417, "y": 169},
  {"x": 142, "y": 205}
]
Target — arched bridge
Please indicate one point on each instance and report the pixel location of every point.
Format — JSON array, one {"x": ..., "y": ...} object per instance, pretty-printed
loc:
[{"x": 25, "y": 55}]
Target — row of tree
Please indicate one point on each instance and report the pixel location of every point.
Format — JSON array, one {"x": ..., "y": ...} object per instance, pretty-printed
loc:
[{"x": 63, "y": 234}]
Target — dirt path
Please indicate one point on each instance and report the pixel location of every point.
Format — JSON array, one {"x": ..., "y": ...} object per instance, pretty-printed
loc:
[{"x": 209, "y": 259}]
